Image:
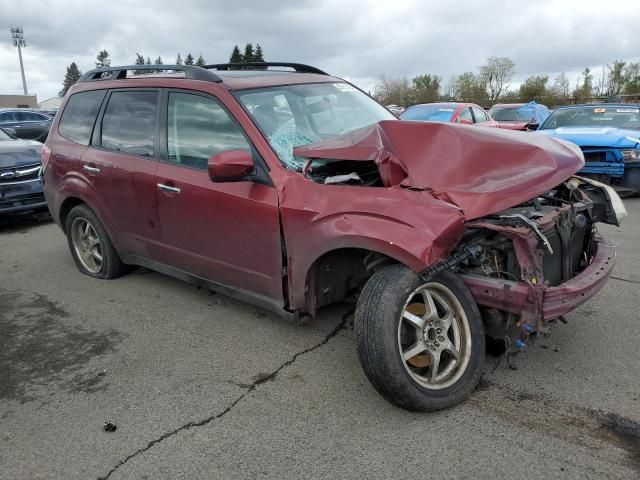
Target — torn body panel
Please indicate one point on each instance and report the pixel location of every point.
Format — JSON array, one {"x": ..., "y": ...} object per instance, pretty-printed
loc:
[
  {"x": 409, "y": 227},
  {"x": 481, "y": 171}
]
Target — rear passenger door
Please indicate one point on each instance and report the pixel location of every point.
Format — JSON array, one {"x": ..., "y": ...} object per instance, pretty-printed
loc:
[
  {"x": 228, "y": 233},
  {"x": 123, "y": 155}
]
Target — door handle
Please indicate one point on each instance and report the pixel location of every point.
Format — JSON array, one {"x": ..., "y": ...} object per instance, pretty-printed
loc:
[
  {"x": 168, "y": 188},
  {"x": 91, "y": 169}
]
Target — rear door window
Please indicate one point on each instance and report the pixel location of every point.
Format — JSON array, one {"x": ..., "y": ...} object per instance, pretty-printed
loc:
[
  {"x": 129, "y": 122},
  {"x": 480, "y": 115},
  {"x": 7, "y": 117},
  {"x": 80, "y": 115},
  {"x": 465, "y": 114}
]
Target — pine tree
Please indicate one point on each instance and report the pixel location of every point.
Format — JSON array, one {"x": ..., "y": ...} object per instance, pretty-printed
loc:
[
  {"x": 188, "y": 60},
  {"x": 248, "y": 53},
  {"x": 158, "y": 61},
  {"x": 200, "y": 62},
  {"x": 103, "y": 60},
  {"x": 71, "y": 77},
  {"x": 139, "y": 61},
  {"x": 257, "y": 57},
  {"x": 148, "y": 61},
  {"x": 236, "y": 56},
  {"x": 178, "y": 60}
]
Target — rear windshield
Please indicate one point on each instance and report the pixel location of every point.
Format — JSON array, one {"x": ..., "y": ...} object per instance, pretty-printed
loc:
[
  {"x": 595, "y": 116},
  {"x": 502, "y": 114},
  {"x": 79, "y": 116},
  {"x": 428, "y": 113}
]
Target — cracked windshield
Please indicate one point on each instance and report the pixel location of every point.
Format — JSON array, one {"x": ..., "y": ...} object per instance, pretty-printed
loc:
[{"x": 296, "y": 115}]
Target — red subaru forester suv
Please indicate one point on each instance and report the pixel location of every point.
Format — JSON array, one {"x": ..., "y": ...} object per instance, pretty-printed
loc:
[{"x": 292, "y": 189}]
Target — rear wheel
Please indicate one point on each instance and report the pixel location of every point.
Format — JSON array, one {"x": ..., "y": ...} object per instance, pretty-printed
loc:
[
  {"x": 90, "y": 246},
  {"x": 421, "y": 345}
]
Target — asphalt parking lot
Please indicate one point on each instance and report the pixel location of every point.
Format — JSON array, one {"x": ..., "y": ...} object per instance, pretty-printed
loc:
[{"x": 201, "y": 386}]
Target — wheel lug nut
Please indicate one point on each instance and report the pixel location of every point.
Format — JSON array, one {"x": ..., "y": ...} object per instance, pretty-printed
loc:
[
  {"x": 437, "y": 344},
  {"x": 438, "y": 330}
]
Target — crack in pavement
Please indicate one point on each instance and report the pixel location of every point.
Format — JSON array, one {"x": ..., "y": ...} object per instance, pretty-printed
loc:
[
  {"x": 628, "y": 280},
  {"x": 262, "y": 379}
]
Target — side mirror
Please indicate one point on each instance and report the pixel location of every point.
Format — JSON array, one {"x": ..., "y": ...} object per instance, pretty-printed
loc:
[
  {"x": 532, "y": 126},
  {"x": 464, "y": 121},
  {"x": 230, "y": 166}
]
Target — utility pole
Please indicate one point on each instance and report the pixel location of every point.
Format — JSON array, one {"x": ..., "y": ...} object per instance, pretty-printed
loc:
[{"x": 18, "y": 41}]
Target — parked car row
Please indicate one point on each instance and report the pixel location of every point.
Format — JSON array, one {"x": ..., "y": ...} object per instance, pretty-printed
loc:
[{"x": 608, "y": 134}]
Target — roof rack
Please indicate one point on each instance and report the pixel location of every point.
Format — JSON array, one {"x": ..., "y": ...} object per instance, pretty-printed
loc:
[
  {"x": 191, "y": 72},
  {"x": 298, "y": 67}
]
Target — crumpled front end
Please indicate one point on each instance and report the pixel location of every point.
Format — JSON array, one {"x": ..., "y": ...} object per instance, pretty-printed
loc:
[{"x": 536, "y": 262}]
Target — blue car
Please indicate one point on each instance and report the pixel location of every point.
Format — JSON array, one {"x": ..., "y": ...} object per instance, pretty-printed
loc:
[{"x": 609, "y": 136}]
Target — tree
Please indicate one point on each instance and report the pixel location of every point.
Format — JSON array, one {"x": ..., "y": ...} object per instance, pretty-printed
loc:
[
  {"x": 586, "y": 90},
  {"x": 632, "y": 78},
  {"x": 236, "y": 56},
  {"x": 72, "y": 76},
  {"x": 248, "y": 53},
  {"x": 258, "y": 55},
  {"x": 178, "y": 60},
  {"x": 139, "y": 61},
  {"x": 426, "y": 88},
  {"x": 393, "y": 91},
  {"x": 534, "y": 88},
  {"x": 200, "y": 62},
  {"x": 102, "y": 59},
  {"x": 148, "y": 62},
  {"x": 470, "y": 87},
  {"x": 496, "y": 74},
  {"x": 188, "y": 60},
  {"x": 561, "y": 86},
  {"x": 615, "y": 78}
]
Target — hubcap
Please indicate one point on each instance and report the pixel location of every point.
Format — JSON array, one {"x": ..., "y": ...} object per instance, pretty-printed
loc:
[
  {"x": 86, "y": 244},
  {"x": 434, "y": 337}
]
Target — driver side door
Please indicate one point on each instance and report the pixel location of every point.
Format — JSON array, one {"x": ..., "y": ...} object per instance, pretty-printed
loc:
[{"x": 227, "y": 233}]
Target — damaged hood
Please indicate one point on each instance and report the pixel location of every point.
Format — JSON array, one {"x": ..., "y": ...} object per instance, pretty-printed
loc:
[
  {"x": 480, "y": 170},
  {"x": 16, "y": 153}
]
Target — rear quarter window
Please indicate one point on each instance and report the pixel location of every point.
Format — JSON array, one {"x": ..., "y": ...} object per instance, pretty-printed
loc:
[{"x": 79, "y": 116}]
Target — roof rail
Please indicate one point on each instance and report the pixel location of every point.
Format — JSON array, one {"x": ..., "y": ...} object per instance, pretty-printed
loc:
[
  {"x": 298, "y": 67},
  {"x": 191, "y": 72}
]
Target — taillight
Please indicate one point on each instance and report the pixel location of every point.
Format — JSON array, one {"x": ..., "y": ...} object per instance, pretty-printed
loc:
[{"x": 45, "y": 155}]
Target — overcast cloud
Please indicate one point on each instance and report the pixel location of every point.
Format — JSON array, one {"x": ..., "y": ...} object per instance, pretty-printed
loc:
[{"x": 354, "y": 39}]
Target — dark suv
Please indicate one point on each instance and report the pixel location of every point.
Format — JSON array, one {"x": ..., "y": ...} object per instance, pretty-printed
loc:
[{"x": 294, "y": 190}]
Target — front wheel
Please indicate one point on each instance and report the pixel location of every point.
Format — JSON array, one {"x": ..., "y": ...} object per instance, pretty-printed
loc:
[{"x": 421, "y": 344}]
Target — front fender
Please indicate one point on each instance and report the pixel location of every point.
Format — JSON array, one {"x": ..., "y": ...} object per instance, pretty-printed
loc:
[{"x": 411, "y": 227}]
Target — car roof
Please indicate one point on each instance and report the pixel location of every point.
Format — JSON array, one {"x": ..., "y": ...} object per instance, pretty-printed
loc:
[
  {"x": 508, "y": 105},
  {"x": 598, "y": 105},
  {"x": 232, "y": 76}
]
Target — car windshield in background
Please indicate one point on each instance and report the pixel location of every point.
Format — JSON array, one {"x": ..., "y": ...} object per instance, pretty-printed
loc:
[
  {"x": 501, "y": 114},
  {"x": 595, "y": 116},
  {"x": 428, "y": 113},
  {"x": 294, "y": 115}
]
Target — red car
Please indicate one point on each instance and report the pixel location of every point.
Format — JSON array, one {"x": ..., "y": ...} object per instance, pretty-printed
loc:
[
  {"x": 463, "y": 113},
  {"x": 294, "y": 190}
]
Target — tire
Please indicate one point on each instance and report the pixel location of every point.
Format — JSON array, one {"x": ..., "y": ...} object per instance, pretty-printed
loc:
[
  {"x": 96, "y": 244},
  {"x": 383, "y": 335}
]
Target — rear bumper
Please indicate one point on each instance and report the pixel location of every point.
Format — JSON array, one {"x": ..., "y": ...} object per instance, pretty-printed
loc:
[{"x": 541, "y": 302}]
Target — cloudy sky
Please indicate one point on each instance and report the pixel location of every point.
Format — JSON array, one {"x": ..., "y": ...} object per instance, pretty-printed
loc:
[{"x": 354, "y": 39}]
